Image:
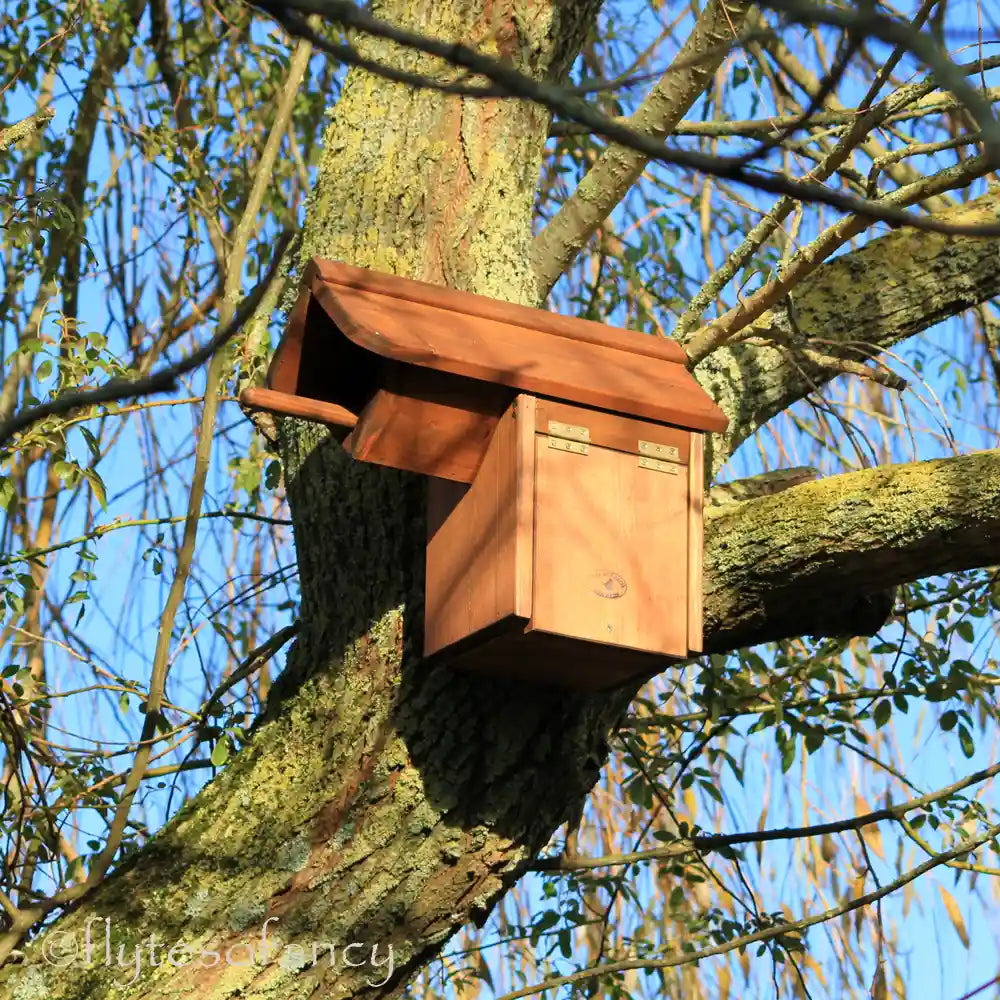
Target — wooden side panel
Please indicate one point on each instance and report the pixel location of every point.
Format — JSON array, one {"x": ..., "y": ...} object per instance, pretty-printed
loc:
[
  {"x": 611, "y": 559},
  {"x": 429, "y": 422},
  {"x": 479, "y": 555},
  {"x": 283, "y": 372},
  {"x": 696, "y": 533}
]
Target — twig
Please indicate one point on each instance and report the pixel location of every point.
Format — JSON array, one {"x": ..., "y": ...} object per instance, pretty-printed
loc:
[
  {"x": 231, "y": 319},
  {"x": 716, "y": 841},
  {"x": 514, "y": 84},
  {"x": 924, "y": 45},
  {"x": 162, "y": 381},
  {"x": 790, "y": 927},
  {"x": 917, "y": 149},
  {"x": 721, "y": 330},
  {"x": 863, "y": 123},
  {"x": 748, "y": 127},
  {"x": 145, "y": 522},
  {"x": 253, "y": 662},
  {"x": 845, "y": 366},
  {"x": 618, "y": 168}
]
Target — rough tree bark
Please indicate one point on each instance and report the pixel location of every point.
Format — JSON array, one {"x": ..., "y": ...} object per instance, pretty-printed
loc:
[{"x": 382, "y": 801}]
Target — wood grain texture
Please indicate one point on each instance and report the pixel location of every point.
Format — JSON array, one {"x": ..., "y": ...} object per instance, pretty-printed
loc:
[
  {"x": 610, "y": 559},
  {"x": 696, "y": 544},
  {"x": 428, "y": 422},
  {"x": 292, "y": 405},
  {"x": 478, "y": 570},
  {"x": 530, "y": 360},
  {"x": 482, "y": 307},
  {"x": 283, "y": 372}
]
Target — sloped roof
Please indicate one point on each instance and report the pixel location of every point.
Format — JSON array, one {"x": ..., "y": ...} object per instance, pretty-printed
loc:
[{"x": 529, "y": 350}]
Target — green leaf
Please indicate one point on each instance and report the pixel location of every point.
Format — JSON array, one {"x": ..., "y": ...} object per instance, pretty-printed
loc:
[
  {"x": 220, "y": 752},
  {"x": 787, "y": 756},
  {"x": 97, "y": 485},
  {"x": 272, "y": 475},
  {"x": 7, "y": 496},
  {"x": 948, "y": 721},
  {"x": 882, "y": 713},
  {"x": 814, "y": 740},
  {"x": 95, "y": 448},
  {"x": 966, "y": 742}
]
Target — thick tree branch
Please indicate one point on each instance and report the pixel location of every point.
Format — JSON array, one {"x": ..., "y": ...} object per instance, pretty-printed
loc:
[
  {"x": 851, "y": 307},
  {"x": 813, "y": 559},
  {"x": 618, "y": 168}
]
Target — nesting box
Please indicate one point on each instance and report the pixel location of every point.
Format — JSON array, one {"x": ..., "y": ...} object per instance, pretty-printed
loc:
[{"x": 564, "y": 465}]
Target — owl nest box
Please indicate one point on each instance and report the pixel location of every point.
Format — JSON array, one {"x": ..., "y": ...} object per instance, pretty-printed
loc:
[{"x": 563, "y": 461}]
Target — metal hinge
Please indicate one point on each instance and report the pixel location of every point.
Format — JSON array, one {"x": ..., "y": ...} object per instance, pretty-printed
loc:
[
  {"x": 666, "y": 452},
  {"x": 658, "y": 465},
  {"x": 569, "y": 437}
]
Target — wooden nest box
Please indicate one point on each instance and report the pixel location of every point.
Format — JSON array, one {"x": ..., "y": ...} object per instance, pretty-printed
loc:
[{"x": 564, "y": 461}]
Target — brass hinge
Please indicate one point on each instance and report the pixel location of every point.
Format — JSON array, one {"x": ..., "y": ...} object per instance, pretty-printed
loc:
[
  {"x": 569, "y": 437},
  {"x": 576, "y": 447},
  {"x": 665, "y": 452},
  {"x": 658, "y": 465}
]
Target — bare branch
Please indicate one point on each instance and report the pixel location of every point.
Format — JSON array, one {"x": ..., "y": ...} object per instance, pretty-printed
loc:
[
  {"x": 934, "y": 103},
  {"x": 517, "y": 85},
  {"x": 164, "y": 380},
  {"x": 784, "y": 929},
  {"x": 924, "y": 45},
  {"x": 618, "y": 168},
  {"x": 852, "y": 307},
  {"x": 715, "y": 334},
  {"x": 717, "y": 841}
]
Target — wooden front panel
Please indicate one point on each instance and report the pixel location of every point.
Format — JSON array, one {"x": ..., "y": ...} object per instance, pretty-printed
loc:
[
  {"x": 479, "y": 552},
  {"x": 611, "y": 561}
]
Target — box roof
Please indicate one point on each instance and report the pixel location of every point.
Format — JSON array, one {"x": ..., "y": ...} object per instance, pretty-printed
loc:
[{"x": 528, "y": 350}]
